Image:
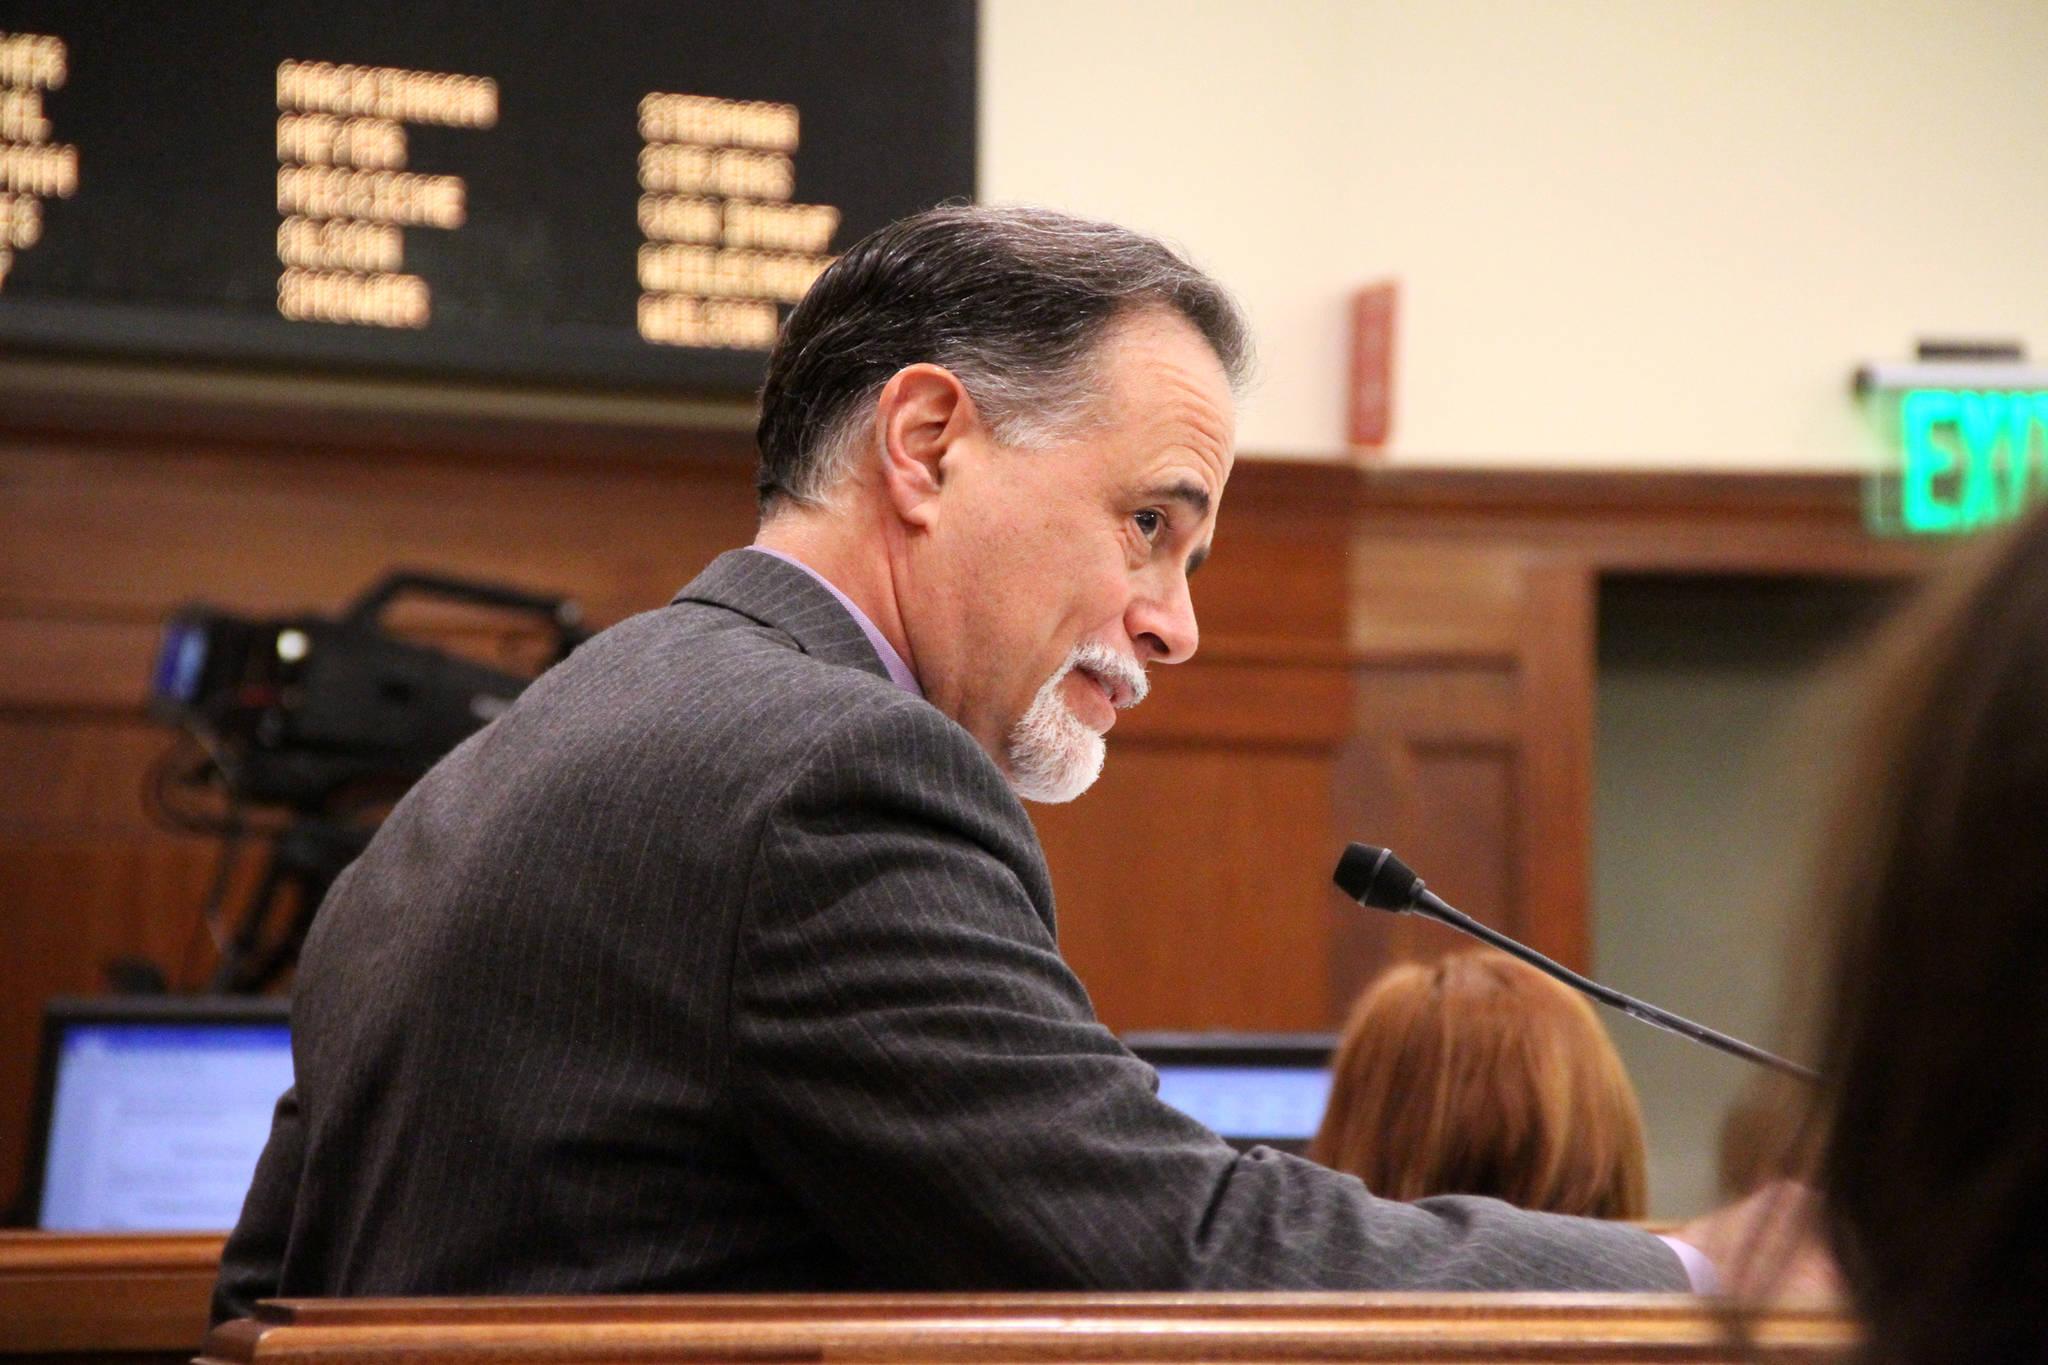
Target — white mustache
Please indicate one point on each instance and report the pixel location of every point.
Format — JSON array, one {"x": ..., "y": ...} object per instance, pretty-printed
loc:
[{"x": 1125, "y": 675}]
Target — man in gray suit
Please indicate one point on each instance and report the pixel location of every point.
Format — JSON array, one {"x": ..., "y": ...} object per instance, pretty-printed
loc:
[{"x": 726, "y": 958}]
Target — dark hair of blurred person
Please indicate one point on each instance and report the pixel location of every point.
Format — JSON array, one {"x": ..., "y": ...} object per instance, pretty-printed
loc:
[
  {"x": 1476, "y": 1074},
  {"x": 1934, "y": 1167}
]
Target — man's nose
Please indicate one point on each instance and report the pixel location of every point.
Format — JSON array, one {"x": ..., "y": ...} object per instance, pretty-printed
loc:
[{"x": 1162, "y": 622}]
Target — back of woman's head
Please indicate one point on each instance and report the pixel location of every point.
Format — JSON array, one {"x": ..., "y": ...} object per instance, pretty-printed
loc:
[
  {"x": 1935, "y": 1164},
  {"x": 1478, "y": 1075}
]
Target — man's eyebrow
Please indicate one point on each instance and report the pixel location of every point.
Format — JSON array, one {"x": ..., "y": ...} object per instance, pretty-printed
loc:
[{"x": 1185, "y": 491}]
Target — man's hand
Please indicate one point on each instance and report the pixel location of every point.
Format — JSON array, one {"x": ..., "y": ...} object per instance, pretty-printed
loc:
[{"x": 1768, "y": 1246}]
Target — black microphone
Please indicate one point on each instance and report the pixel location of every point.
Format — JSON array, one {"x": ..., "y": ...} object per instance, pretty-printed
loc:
[{"x": 1375, "y": 877}]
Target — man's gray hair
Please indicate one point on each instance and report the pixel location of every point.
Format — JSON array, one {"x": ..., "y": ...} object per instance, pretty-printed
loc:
[{"x": 1014, "y": 301}]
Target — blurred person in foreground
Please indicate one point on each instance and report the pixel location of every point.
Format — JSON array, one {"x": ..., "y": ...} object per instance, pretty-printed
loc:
[
  {"x": 1478, "y": 1074},
  {"x": 1766, "y": 1136},
  {"x": 1933, "y": 1165}
]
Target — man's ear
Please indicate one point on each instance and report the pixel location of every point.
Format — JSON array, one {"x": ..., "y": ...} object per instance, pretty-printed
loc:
[{"x": 923, "y": 415}]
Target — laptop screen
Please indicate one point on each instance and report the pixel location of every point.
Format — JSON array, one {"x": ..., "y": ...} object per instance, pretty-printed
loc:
[
  {"x": 1249, "y": 1088},
  {"x": 153, "y": 1111}
]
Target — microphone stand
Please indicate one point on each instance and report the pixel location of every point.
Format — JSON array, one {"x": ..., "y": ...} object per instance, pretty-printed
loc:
[{"x": 1389, "y": 885}]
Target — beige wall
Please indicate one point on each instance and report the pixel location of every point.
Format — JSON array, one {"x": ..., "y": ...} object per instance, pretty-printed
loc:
[{"x": 1627, "y": 233}]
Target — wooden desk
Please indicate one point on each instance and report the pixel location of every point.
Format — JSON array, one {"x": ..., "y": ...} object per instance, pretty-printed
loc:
[
  {"x": 85, "y": 1298},
  {"x": 1164, "y": 1329},
  {"x": 141, "y": 1300}
]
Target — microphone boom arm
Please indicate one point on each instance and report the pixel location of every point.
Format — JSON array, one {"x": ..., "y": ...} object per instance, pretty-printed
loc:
[
  {"x": 1374, "y": 877},
  {"x": 1432, "y": 906}
]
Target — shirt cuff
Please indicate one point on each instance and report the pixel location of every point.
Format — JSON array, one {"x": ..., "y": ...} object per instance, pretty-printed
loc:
[{"x": 1705, "y": 1279}]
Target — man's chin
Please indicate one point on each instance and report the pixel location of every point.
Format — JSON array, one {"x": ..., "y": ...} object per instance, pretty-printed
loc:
[
  {"x": 1053, "y": 789},
  {"x": 1054, "y": 763}
]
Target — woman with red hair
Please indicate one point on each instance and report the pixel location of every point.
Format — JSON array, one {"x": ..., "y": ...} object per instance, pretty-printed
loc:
[{"x": 1476, "y": 1074}]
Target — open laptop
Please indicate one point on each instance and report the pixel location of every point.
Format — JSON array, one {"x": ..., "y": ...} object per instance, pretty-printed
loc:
[
  {"x": 1251, "y": 1089},
  {"x": 150, "y": 1111}
]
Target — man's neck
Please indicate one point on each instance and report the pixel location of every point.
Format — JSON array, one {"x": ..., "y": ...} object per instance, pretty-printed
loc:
[{"x": 827, "y": 546}]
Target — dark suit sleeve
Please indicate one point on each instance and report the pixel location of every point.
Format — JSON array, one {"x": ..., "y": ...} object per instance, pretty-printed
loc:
[
  {"x": 253, "y": 1259},
  {"x": 914, "y": 1060}
]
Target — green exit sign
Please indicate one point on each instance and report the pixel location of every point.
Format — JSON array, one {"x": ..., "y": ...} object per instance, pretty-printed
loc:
[{"x": 1966, "y": 459}]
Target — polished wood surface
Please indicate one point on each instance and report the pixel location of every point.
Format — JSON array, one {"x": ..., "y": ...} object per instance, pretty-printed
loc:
[
  {"x": 135, "y": 1299},
  {"x": 1031, "y": 1328},
  {"x": 78, "y": 1297}
]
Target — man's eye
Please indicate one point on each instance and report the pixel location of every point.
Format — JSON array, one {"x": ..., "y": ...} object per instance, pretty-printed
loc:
[{"x": 1149, "y": 522}]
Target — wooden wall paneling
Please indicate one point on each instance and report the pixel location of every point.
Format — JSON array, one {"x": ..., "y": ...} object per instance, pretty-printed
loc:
[
  {"x": 110, "y": 402},
  {"x": 1554, "y": 835},
  {"x": 1434, "y": 767},
  {"x": 55, "y": 661},
  {"x": 69, "y": 905},
  {"x": 1364, "y": 809},
  {"x": 288, "y": 530},
  {"x": 1416, "y": 596},
  {"x": 1467, "y": 809},
  {"x": 87, "y": 766},
  {"x": 1640, "y": 521},
  {"x": 1192, "y": 879},
  {"x": 1276, "y": 578},
  {"x": 1190, "y": 886},
  {"x": 1447, "y": 748},
  {"x": 1433, "y": 773},
  {"x": 85, "y": 878}
]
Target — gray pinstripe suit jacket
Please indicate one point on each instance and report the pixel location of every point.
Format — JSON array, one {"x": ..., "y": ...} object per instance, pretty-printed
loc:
[{"x": 720, "y": 962}]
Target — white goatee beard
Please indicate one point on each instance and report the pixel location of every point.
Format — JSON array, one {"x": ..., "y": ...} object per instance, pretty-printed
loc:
[{"x": 1053, "y": 756}]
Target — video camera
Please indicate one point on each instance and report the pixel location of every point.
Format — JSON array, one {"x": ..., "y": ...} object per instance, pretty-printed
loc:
[
  {"x": 328, "y": 720},
  {"x": 296, "y": 709}
]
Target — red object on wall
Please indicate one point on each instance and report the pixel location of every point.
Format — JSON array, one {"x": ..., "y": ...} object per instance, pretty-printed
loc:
[{"x": 1372, "y": 364}]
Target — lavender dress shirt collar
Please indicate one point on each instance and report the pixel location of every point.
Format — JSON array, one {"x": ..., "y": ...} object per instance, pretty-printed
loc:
[{"x": 899, "y": 672}]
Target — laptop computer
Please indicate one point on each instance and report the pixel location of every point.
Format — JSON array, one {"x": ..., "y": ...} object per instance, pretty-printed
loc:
[
  {"x": 1251, "y": 1089},
  {"x": 150, "y": 1111}
]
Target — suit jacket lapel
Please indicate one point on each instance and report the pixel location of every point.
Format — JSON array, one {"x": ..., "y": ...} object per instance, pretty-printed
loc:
[{"x": 783, "y": 597}]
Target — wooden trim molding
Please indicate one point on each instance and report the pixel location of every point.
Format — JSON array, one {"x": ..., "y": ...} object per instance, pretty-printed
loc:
[
  {"x": 102, "y": 399},
  {"x": 65, "y": 1292},
  {"x": 1023, "y": 1329},
  {"x": 136, "y": 1298},
  {"x": 1570, "y": 492}
]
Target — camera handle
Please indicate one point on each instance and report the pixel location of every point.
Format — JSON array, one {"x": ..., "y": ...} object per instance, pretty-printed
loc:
[{"x": 562, "y": 614}]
